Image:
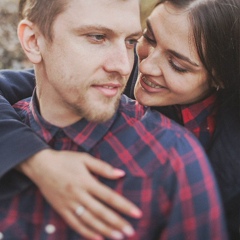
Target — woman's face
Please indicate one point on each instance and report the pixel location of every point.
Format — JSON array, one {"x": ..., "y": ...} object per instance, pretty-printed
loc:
[{"x": 170, "y": 69}]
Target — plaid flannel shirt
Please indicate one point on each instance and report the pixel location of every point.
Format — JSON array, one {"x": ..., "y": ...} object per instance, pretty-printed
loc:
[{"x": 167, "y": 176}]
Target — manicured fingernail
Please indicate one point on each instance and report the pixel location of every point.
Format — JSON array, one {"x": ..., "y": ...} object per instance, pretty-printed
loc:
[
  {"x": 128, "y": 230},
  {"x": 135, "y": 212},
  {"x": 117, "y": 235},
  {"x": 118, "y": 172},
  {"x": 98, "y": 238}
]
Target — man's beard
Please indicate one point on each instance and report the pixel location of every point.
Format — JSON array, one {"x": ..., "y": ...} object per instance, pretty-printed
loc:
[{"x": 97, "y": 113}]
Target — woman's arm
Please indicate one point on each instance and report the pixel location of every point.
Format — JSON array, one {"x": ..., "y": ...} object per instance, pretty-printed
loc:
[
  {"x": 17, "y": 142},
  {"x": 16, "y": 85}
]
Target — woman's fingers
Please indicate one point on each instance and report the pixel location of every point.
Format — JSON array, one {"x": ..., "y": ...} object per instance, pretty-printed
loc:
[
  {"x": 100, "y": 168},
  {"x": 76, "y": 223},
  {"x": 68, "y": 182},
  {"x": 115, "y": 200},
  {"x": 104, "y": 193},
  {"x": 103, "y": 219}
]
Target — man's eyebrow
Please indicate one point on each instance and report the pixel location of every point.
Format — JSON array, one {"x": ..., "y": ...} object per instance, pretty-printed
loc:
[
  {"x": 87, "y": 28},
  {"x": 136, "y": 34},
  {"x": 182, "y": 57}
]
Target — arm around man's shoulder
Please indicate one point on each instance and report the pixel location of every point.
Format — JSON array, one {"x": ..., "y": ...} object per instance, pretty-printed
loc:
[
  {"x": 17, "y": 141},
  {"x": 16, "y": 85}
]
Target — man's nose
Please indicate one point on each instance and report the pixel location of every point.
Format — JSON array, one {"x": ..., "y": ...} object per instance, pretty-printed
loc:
[{"x": 120, "y": 60}]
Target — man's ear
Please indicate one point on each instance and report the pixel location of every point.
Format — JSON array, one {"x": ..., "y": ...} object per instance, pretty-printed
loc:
[{"x": 28, "y": 37}]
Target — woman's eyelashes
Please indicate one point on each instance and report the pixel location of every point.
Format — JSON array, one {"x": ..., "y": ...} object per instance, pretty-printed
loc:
[
  {"x": 148, "y": 37},
  {"x": 151, "y": 40},
  {"x": 176, "y": 67}
]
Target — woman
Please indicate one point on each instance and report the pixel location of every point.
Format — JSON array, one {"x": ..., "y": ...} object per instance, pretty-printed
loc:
[
  {"x": 190, "y": 70},
  {"x": 191, "y": 62}
]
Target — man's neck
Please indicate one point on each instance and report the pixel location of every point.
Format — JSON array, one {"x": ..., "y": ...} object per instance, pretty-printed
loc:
[{"x": 55, "y": 113}]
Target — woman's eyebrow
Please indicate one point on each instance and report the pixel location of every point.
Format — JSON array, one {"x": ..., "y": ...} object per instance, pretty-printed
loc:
[
  {"x": 182, "y": 57},
  {"x": 176, "y": 54}
]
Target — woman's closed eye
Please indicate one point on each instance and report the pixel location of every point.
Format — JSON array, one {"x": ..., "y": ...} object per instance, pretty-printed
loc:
[
  {"x": 176, "y": 67},
  {"x": 150, "y": 39}
]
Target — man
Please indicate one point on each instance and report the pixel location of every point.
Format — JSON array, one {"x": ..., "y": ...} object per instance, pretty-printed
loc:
[{"x": 83, "y": 53}]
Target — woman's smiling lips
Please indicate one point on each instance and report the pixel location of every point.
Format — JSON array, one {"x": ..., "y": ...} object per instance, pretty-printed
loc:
[{"x": 149, "y": 86}]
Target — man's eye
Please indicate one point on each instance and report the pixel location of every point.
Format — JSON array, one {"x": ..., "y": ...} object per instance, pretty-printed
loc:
[
  {"x": 131, "y": 43},
  {"x": 96, "y": 37}
]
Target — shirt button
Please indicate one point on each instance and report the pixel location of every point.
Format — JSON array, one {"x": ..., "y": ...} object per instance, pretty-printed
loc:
[
  {"x": 50, "y": 229},
  {"x": 1, "y": 235}
]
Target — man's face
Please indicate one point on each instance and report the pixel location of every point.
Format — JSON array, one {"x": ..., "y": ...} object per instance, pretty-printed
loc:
[{"x": 85, "y": 68}]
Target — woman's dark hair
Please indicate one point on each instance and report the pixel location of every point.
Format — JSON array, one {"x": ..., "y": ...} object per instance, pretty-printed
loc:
[{"x": 216, "y": 31}]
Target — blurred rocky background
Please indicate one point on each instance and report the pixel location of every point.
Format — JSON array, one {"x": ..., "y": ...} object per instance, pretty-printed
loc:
[{"x": 11, "y": 54}]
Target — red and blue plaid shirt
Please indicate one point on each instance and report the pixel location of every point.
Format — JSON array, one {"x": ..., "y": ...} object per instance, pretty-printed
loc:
[
  {"x": 199, "y": 118},
  {"x": 167, "y": 176}
]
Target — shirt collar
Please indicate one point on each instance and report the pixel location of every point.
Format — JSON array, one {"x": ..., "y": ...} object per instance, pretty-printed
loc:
[
  {"x": 198, "y": 111},
  {"x": 84, "y": 133},
  {"x": 199, "y": 118}
]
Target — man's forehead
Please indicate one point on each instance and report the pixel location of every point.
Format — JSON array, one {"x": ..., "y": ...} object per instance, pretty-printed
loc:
[
  {"x": 105, "y": 4},
  {"x": 115, "y": 15}
]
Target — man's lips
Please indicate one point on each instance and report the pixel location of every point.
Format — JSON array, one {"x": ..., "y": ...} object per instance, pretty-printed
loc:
[{"x": 109, "y": 89}]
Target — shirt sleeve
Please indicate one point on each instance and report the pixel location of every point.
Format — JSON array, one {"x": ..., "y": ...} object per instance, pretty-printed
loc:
[
  {"x": 196, "y": 209},
  {"x": 17, "y": 142},
  {"x": 16, "y": 85}
]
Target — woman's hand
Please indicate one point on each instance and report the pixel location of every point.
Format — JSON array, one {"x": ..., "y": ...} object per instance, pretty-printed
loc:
[{"x": 68, "y": 184}]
